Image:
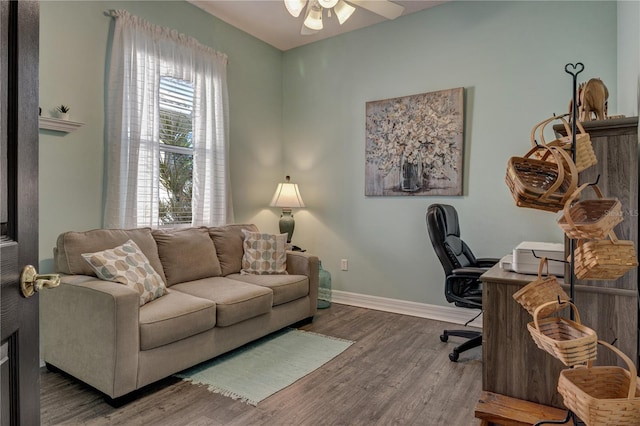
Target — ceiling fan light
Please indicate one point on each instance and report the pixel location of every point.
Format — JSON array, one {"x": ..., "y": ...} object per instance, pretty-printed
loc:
[
  {"x": 314, "y": 18},
  {"x": 294, "y": 7},
  {"x": 327, "y": 4},
  {"x": 343, "y": 11}
]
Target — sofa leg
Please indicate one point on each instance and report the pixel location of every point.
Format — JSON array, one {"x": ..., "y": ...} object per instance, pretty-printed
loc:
[
  {"x": 114, "y": 402},
  {"x": 302, "y": 322},
  {"x": 121, "y": 400}
]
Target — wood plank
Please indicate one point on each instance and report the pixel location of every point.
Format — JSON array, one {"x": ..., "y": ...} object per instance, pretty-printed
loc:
[{"x": 507, "y": 411}]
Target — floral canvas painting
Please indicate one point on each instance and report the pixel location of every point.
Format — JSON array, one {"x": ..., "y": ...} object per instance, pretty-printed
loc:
[{"x": 414, "y": 144}]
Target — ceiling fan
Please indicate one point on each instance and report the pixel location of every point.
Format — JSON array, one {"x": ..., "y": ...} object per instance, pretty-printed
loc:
[{"x": 341, "y": 8}]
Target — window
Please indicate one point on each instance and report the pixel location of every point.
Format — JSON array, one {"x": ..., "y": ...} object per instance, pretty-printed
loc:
[
  {"x": 166, "y": 130},
  {"x": 176, "y": 151}
]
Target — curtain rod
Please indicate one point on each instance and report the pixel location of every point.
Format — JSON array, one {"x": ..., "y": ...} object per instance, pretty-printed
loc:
[{"x": 114, "y": 13}]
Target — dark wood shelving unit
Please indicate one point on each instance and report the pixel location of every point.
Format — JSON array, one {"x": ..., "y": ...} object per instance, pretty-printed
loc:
[{"x": 611, "y": 307}]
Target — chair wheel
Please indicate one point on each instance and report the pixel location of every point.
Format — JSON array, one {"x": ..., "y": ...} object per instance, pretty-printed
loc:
[
  {"x": 444, "y": 337},
  {"x": 453, "y": 356}
]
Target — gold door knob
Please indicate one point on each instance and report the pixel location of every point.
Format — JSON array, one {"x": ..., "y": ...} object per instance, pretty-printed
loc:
[{"x": 31, "y": 282}]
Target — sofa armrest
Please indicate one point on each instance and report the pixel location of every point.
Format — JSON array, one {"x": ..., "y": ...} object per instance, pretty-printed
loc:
[
  {"x": 302, "y": 263},
  {"x": 90, "y": 330}
]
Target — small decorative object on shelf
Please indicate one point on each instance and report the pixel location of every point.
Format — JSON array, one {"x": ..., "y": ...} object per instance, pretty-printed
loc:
[
  {"x": 324, "y": 288},
  {"x": 593, "y": 100},
  {"x": 63, "y": 112},
  {"x": 592, "y": 97}
]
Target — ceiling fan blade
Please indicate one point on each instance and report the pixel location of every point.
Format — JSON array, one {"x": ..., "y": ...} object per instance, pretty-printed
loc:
[
  {"x": 294, "y": 7},
  {"x": 384, "y": 8}
]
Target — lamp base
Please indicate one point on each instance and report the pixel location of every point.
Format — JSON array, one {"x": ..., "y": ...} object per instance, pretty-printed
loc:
[{"x": 287, "y": 223}]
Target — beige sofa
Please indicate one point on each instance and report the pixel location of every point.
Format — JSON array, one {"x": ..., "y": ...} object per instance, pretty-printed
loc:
[{"x": 96, "y": 331}]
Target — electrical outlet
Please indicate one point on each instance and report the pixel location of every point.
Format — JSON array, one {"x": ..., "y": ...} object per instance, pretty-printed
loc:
[{"x": 344, "y": 265}]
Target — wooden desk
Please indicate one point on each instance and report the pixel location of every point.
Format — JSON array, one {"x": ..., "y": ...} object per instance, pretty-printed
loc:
[{"x": 512, "y": 363}]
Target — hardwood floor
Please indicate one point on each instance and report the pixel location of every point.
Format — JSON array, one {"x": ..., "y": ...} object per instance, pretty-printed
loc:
[{"x": 397, "y": 373}]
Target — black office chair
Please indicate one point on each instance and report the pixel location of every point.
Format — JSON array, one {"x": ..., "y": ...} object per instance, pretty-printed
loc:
[{"x": 462, "y": 270}]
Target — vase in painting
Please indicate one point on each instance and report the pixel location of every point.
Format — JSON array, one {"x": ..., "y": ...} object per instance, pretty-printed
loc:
[{"x": 410, "y": 172}]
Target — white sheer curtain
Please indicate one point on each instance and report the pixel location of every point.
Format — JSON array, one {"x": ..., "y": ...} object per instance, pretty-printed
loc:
[{"x": 140, "y": 54}]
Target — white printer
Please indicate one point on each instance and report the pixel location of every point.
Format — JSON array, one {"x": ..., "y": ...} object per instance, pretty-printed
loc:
[{"x": 524, "y": 260}]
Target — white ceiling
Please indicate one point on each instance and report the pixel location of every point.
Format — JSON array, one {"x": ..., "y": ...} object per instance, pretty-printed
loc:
[{"x": 269, "y": 21}]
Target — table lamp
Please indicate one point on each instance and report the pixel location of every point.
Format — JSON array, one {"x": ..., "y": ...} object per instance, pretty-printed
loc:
[{"x": 287, "y": 196}]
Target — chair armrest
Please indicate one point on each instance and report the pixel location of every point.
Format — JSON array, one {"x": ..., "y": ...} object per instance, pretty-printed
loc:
[
  {"x": 487, "y": 262},
  {"x": 471, "y": 272},
  {"x": 303, "y": 263},
  {"x": 90, "y": 330}
]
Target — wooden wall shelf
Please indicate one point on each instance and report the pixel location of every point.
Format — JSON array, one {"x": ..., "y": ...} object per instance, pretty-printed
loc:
[{"x": 66, "y": 126}]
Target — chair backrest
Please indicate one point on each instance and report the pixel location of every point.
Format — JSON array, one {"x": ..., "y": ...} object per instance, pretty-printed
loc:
[{"x": 444, "y": 233}]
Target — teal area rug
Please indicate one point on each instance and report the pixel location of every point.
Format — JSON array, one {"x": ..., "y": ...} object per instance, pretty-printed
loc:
[{"x": 261, "y": 368}]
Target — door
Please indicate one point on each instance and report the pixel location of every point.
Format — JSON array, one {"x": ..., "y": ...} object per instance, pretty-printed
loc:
[{"x": 19, "y": 371}]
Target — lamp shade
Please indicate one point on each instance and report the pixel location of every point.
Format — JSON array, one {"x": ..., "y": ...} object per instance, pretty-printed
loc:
[{"x": 287, "y": 195}]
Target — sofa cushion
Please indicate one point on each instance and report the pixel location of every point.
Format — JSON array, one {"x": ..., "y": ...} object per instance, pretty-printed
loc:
[
  {"x": 71, "y": 245},
  {"x": 186, "y": 254},
  {"x": 285, "y": 287},
  {"x": 235, "y": 300},
  {"x": 228, "y": 241},
  {"x": 126, "y": 264},
  {"x": 264, "y": 254},
  {"x": 174, "y": 317}
]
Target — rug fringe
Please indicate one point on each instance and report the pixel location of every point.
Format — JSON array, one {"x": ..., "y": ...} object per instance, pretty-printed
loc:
[
  {"x": 232, "y": 395},
  {"x": 224, "y": 392}
]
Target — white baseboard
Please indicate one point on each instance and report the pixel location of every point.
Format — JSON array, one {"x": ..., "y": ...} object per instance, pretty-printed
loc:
[{"x": 440, "y": 313}]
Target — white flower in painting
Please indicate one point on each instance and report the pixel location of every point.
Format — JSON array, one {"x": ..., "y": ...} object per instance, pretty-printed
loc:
[{"x": 423, "y": 128}]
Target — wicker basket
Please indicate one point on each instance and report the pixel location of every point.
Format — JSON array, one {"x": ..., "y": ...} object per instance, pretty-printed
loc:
[
  {"x": 585, "y": 155},
  {"x": 604, "y": 259},
  {"x": 539, "y": 183},
  {"x": 603, "y": 395},
  {"x": 569, "y": 341},
  {"x": 540, "y": 291},
  {"x": 590, "y": 219}
]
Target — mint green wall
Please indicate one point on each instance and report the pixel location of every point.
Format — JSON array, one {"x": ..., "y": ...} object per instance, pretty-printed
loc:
[
  {"x": 510, "y": 57},
  {"x": 301, "y": 113},
  {"x": 73, "y": 50}
]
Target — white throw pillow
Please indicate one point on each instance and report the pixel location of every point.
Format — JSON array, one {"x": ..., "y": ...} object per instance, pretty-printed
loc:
[{"x": 126, "y": 264}]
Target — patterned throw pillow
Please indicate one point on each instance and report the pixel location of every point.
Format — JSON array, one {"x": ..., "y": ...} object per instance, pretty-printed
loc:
[
  {"x": 264, "y": 254},
  {"x": 126, "y": 264}
]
